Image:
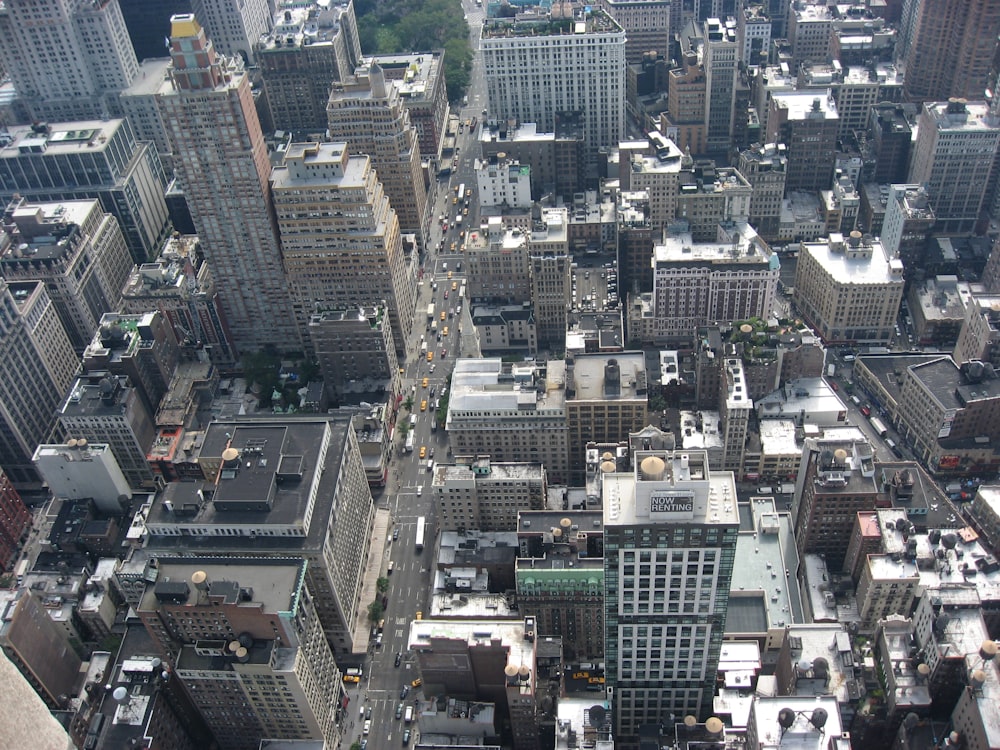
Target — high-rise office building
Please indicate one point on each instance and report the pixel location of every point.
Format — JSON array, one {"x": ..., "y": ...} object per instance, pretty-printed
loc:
[
  {"x": 234, "y": 28},
  {"x": 355, "y": 350},
  {"x": 646, "y": 24},
  {"x": 574, "y": 60},
  {"x": 68, "y": 59},
  {"x": 367, "y": 112},
  {"x": 299, "y": 484},
  {"x": 684, "y": 120},
  {"x": 245, "y": 641},
  {"x": 764, "y": 167},
  {"x": 148, "y": 23},
  {"x": 950, "y": 49},
  {"x": 220, "y": 160},
  {"x": 606, "y": 401},
  {"x": 529, "y": 401},
  {"x": 106, "y": 409},
  {"x": 807, "y": 123},
  {"x": 309, "y": 48},
  {"x": 720, "y": 56},
  {"x": 836, "y": 480},
  {"x": 37, "y": 367},
  {"x": 91, "y": 159},
  {"x": 953, "y": 156},
  {"x": 179, "y": 284},
  {"x": 670, "y": 531},
  {"x": 849, "y": 289},
  {"x": 698, "y": 283},
  {"x": 340, "y": 236},
  {"x": 551, "y": 274},
  {"x": 77, "y": 250}
]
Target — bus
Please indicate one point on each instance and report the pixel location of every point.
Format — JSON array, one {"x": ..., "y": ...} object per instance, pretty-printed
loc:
[
  {"x": 408, "y": 448},
  {"x": 879, "y": 427},
  {"x": 419, "y": 542},
  {"x": 461, "y": 192},
  {"x": 430, "y": 311}
]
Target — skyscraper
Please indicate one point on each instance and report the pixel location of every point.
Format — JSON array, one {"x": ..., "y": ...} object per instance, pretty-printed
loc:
[
  {"x": 68, "y": 59},
  {"x": 354, "y": 256},
  {"x": 235, "y": 27},
  {"x": 953, "y": 155},
  {"x": 574, "y": 60},
  {"x": 307, "y": 50},
  {"x": 368, "y": 113},
  {"x": 670, "y": 529},
  {"x": 951, "y": 48},
  {"x": 220, "y": 160},
  {"x": 36, "y": 368},
  {"x": 720, "y": 82}
]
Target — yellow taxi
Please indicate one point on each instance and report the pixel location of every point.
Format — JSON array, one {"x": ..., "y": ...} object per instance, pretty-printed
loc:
[
  {"x": 423, "y": 405},
  {"x": 444, "y": 331},
  {"x": 351, "y": 678},
  {"x": 454, "y": 200},
  {"x": 450, "y": 274},
  {"x": 444, "y": 315},
  {"x": 461, "y": 235},
  {"x": 454, "y": 286},
  {"x": 453, "y": 247},
  {"x": 419, "y": 615},
  {"x": 430, "y": 356},
  {"x": 417, "y": 683},
  {"x": 465, "y": 212},
  {"x": 423, "y": 451},
  {"x": 425, "y": 382}
]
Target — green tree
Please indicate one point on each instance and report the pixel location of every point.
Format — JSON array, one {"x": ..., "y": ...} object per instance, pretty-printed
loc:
[
  {"x": 375, "y": 611},
  {"x": 657, "y": 402},
  {"x": 355, "y": 745},
  {"x": 408, "y": 404},
  {"x": 382, "y": 584}
]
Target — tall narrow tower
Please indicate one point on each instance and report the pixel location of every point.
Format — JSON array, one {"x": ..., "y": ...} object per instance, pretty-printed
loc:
[
  {"x": 221, "y": 161},
  {"x": 670, "y": 529}
]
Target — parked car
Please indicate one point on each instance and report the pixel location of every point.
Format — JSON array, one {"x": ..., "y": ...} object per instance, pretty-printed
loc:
[
  {"x": 406, "y": 736},
  {"x": 404, "y": 691},
  {"x": 399, "y": 707}
]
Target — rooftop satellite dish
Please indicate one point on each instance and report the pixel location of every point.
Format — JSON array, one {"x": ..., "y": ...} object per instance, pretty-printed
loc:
[
  {"x": 690, "y": 721},
  {"x": 714, "y": 725},
  {"x": 911, "y": 721},
  {"x": 120, "y": 694},
  {"x": 949, "y": 540}
]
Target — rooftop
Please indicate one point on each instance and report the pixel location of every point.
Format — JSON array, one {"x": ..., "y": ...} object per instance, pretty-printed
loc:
[
  {"x": 743, "y": 245},
  {"x": 670, "y": 488},
  {"x": 855, "y": 260},
  {"x": 509, "y": 634},
  {"x": 806, "y": 105},
  {"x": 801, "y": 734},
  {"x": 46, "y": 231},
  {"x": 489, "y": 385},
  {"x": 960, "y": 115},
  {"x": 620, "y": 376},
  {"x": 563, "y": 20},
  {"x": 763, "y": 574},
  {"x": 260, "y": 584},
  {"x": 276, "y": 493},
  {"x": 64, "y": 138}
]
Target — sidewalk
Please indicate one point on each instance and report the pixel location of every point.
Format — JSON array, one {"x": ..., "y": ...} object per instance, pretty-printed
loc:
[{"x": 369, "y": 579}]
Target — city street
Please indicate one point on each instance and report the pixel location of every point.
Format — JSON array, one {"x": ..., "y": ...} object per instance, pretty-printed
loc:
[{"x": 408, "y": 494}]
